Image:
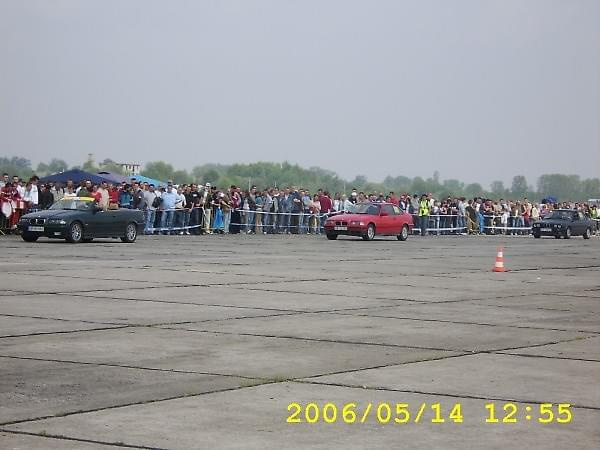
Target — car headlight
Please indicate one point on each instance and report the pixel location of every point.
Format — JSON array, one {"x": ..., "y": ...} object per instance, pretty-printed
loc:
[
  {"x": 56, "y": 222},
  {"x": 357, "y": 223}
]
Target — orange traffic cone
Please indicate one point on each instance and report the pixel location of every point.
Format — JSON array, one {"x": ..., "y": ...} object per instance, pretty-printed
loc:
[{"x": 499, "y": 266}]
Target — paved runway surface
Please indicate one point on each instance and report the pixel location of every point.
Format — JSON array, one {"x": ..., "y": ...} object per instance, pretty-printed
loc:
[{"x": 202, "y": 342}]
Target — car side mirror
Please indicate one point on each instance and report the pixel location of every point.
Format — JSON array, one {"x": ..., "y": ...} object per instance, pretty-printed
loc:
[
  {"x": 384, "y": 214},
  {"x": 96, "y": 209}
]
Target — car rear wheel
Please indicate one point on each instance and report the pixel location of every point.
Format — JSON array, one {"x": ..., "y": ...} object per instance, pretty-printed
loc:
[
  {"x": 75, "y": 233},
  {"x": 130, "y": 233},
  {"x": 587, "y": 234},
  {"x": 28, "y": 237},
  {"x": 370, "y": 234},
  {"x": 332, "y": 236},
  {"x": 568, "y": 233},
  {"x": 403, "y": 233}
]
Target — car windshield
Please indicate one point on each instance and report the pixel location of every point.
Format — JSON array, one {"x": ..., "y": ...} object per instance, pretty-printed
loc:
[
  {"x": 565, "y": 215},
  {"x": 366, "y": 208},
  {"x": 73, "y": 203}
]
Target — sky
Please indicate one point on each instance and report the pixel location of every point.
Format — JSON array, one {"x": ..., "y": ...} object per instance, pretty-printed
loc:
[{"x": 478, "y": 90}]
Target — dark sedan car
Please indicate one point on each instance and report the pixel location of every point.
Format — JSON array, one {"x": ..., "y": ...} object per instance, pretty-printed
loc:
[
  {"x": 563, "y": 223},
  {"x": 79, "y": 219}
]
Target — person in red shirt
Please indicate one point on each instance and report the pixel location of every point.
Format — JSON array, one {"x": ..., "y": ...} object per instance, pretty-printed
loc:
[
  {"x": 113, "y": 195},
  {"x": 326, "y": 207},
  {"x": 9, "y": 194},
  {"x": 95, "y": 194}
]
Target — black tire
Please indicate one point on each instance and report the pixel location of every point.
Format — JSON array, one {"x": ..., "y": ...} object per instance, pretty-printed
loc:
[
  {"x": 403, "y": 233},
  {"x": 130, "y": 233},
  {"x": 557, "y": 236},
  {"x": 370, "y": 234},
  {"x": 332, "y": 236},
  {"x": 28, "y": 237},
  {"x": 567, "y": 234},
  {"x": 587, "y": 234},
  {"x": 75, "y": 233},
  {"x": 537, "y": 235}
]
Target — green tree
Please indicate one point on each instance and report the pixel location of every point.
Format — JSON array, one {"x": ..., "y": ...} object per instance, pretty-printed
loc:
[
  {"x": 455, "y": 187},
  {"x": 159, "y": 170},
  {"x": 182, "y": 177},
  {"x": 563, "y": 187},
  {"x": 474, "y": 190},
  {"x": 519, "y": 186},
  {"x": 497, "y": 188},
  {"x": 90, "y": 165},
  {"x": 419, "y": 186},
  {"x": 16, "y": 166}
]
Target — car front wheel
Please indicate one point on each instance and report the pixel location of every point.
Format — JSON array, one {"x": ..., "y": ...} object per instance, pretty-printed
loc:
[
  {"x": 75, "y": 233},
  {"x": 332, "y": 236},
  {"x": 537, "y": 235},
  {"x": 568, "y": 233},
  {"x": 130, "y": 233},
  {"x": 587, "y": 234},
  {"x": 28, "y": 237},
  {"x": 403, "y": 233},
  {"x": 370, "y": 234}
]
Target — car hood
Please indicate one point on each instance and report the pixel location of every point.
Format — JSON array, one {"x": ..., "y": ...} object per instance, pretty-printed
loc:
[
  {"x": 52, "y": 214},
  {"x": 548, "y": 222},
  {"x": 352, "y": 217}
]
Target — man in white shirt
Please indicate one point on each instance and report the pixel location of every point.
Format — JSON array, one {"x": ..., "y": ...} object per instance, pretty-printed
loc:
[{"x": 104, "y": 196}]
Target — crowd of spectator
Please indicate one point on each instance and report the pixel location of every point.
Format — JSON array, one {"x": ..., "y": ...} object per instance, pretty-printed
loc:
[{"x": 206, "y": 209}]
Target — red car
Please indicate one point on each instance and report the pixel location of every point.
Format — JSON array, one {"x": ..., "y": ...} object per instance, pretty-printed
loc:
[{"x": 370, "y": 219}]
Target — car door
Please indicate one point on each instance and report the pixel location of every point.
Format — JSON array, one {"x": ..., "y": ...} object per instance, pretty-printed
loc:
[
  {"x": 386, "y": 220},
  {"x": 579, "y": 223},
  {"x": 100, "y": 223},
  {"x": 119, "y": 221},
  {"x": 398, "y": 221}
]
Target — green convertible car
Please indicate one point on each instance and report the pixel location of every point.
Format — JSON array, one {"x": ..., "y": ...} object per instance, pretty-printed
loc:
[{"x": 79, "y": 219}]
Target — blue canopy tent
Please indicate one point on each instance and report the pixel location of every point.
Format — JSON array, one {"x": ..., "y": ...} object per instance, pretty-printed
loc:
[
  {"x": 115, "y": 177},
  {"x": 143, "y": 179},
  {"x": 76, "y": 176}
]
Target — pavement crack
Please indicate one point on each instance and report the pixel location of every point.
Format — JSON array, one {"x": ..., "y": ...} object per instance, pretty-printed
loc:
[{"x": 74, "y": 439}]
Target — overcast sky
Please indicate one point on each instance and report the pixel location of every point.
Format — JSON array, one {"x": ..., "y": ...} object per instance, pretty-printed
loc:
[{"x": 478, "y": 90}]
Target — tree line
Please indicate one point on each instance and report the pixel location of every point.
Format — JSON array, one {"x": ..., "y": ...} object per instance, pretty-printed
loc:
[{"x": 263, "y": 174}]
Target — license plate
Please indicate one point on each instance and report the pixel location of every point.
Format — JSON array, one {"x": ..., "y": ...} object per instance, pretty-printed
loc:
[
  {"x": 31, "y": 228},
  {"x": 340, "y": 228},
  {"x": 546, "y": 229}
]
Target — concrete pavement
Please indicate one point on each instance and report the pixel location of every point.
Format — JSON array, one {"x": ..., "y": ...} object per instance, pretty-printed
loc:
[{"x": 203, "y": 342}]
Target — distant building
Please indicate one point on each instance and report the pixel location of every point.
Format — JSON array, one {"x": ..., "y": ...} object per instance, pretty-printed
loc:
[{"x": 130, "y": 169}]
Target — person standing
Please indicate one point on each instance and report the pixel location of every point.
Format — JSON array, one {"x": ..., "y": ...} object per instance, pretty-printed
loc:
[
  {"x": 424, "y": 214},
  {"x": 46, "y": 198},
  {"x": 150, "y": 199},
  {"x": 296, "y": 210},
  {"x": 104, "y": 196},
  {"x": 285, "y": 209},
  {"x": 326, "y": 206},
  {"x": 169, "y": 198},
  {"x": 137, "y": 200},
  {"x": 206, "y": 207},
  {"x": 180, "y": 222},
  {"x": 236, "y": 204}
]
